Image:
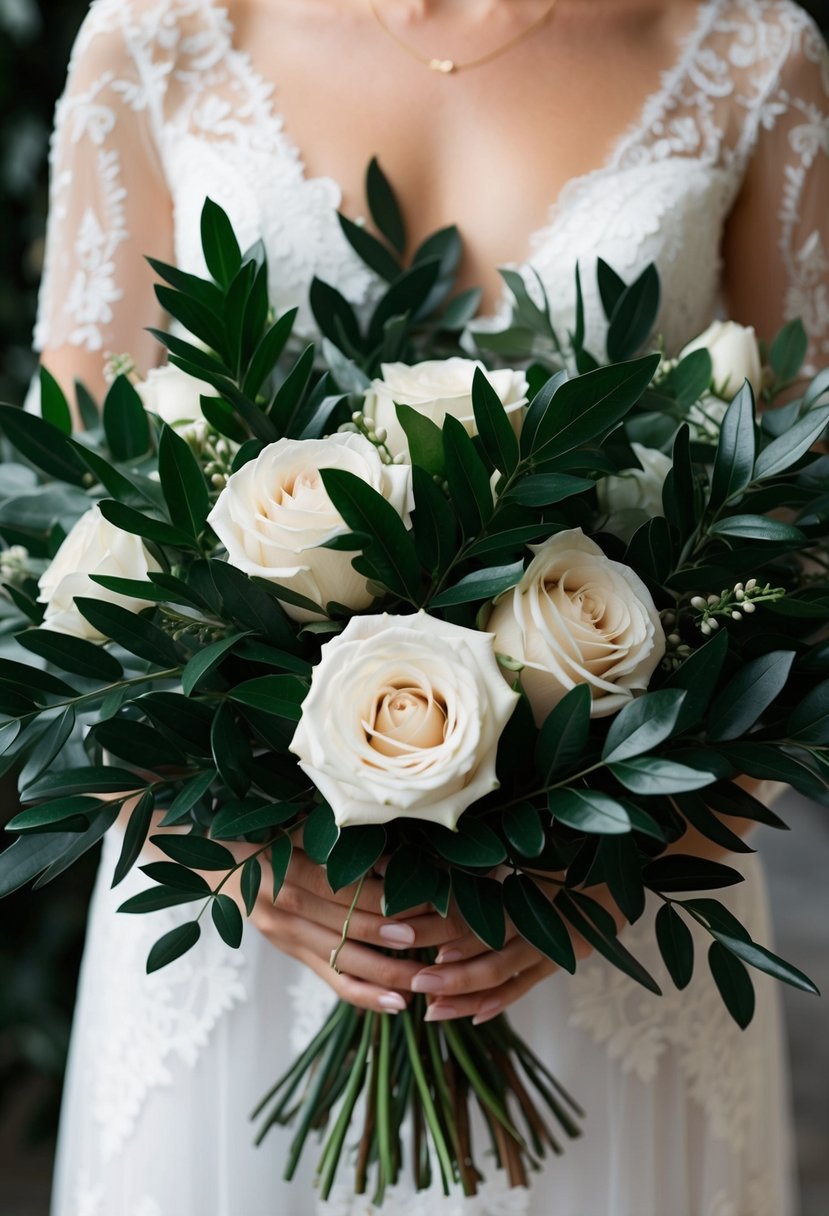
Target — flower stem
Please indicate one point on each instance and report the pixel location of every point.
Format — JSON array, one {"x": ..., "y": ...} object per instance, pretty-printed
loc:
[{"x": 347, "y": 924}]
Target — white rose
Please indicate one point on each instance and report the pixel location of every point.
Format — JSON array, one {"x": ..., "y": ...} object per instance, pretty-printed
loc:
[
  {"x": 578, "y": 618},
  {"x": 735, "y": 356},
  {"x": 436, "y": 388},
  {"x": 632, "y": 497},
  {"x": 94, "y": 546},
  {"x": 173, "y": 395},
  {"x": 403, "y": 720},
  {"x": 274, "y": 514}
]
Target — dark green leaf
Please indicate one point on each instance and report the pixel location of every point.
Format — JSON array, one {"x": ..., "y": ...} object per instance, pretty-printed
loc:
[
  {"x": 191, "y": 793},
  {"x": 783, "y": 452},
  {"x": 733, "y": 982},
  {"x": 250, "y": 882},
  {"x": 391, "y": 554},
  {"x": 425, "y": 440},
  {"x": 473, "y": 844},
  {"x": 434, "y": 524},
  {"x": 86, "y": 780},
  {"x": 748, "y": 694},
  {"x": 643, "y": 724},
  {"x": 354, "y": 853},
  {"x": 698, "y": 676},
  {"x": 30, "y": 856},
  {"x": 320, "y": 834},
  {"x": 654, "y": 775},
  {"x": 54, "y": 408},
  {"x": 44, "y": 445},
  {"x": 185, "y": 490},
  {"x": 788, "y": 350},
  {"x": 483, "y": 584},
  {"x": 694, "y": 808},
  {"x": 405, "y": 297},
  {"x": 267, "y": 353},
  {"x": 410, "y": 880},
  {"x": 135, "y": 633},
  {"x": 34, "y": 680},
  {"x": 461, "y": 309},
  {"x": 589, "y": 811},
  {"x": 634, "y": 316},
  {"x": 240, "y": 818},
  {"x": 676, "y": 945},
  {"x": 334, "y": 316},
  {"x": 524, "y": 830},
  {"x": 197, "y": 852},
  {"x": 548, "y": 488},
  {"x": 172, "y": 945},
  {"x": 246, "y": 602},
  {"x": 611, "y": 286},
  {"x": 734, "y": 462},
  {"x": 590, "y": 920},
  {"x": 126, "y": 425},
  {"x": 221, "y": 249},
  {"x": 373, "y": 252},
  {"x": 685, "y": 872},
  {"x": 538, "y": 409},
  {"x": 481, "y": 904},
  {"x": 494, "y": 426},
  {"x": 55, "y": 811},
  {"x": 156, "y": 899},
  {"x": 691, "y": 377},
  {"x": 228, "y": 920},
  {"x": 468, "y": 478},
  {"x": 73, "y": 654},
  {"x": 129, "y": 520},
  {"x": 756, "y": 527},
  {"x": 764, "y": 960},
  {"x": 81, "y": 843},
  {"x": 563, "y": 737},
  {"x": 49, "y": 745},
  {"x": 137, "y": 743},
  {"x": 138, "y": 826},
  {"x": 809, "y": 723},
  {"x": 621, "y": 865},
  {"x": 281, "y": 853},
  {"x": 384, "y": 208},
  {"x": 290, "y": 393},
  {"x": 590, "y": 406},
  {"x": 231, "y": 751},
  {"x": 170, "y": 874},
  {"x": 537, "y": 920},
  {"x": 278, "y": 695},
  {"x": 207, "y": 660}
]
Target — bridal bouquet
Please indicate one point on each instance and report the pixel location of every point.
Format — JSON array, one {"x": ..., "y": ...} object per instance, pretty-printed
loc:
[{"x": 501, "y": 636}]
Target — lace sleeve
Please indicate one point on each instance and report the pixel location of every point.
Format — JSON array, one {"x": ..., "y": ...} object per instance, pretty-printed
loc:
[
  {"x": 777, "y": 239},
  {"x": 109, "y": 206}
]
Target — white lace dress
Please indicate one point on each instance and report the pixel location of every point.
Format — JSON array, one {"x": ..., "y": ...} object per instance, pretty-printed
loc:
[{"x": 687, "y": 1116}]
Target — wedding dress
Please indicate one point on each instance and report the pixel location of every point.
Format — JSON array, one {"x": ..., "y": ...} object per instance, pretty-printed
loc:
[{"x": 687, "y": 1115}]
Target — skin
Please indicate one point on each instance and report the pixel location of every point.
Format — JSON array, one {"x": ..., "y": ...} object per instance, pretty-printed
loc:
[{"x": 488, "y": 149}]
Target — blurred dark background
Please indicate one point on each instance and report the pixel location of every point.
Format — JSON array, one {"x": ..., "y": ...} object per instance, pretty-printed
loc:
[{"x": 41, "y": 938}]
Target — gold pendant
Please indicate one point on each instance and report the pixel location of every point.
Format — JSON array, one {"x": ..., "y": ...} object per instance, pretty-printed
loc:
[{"x": 446, "y": 66}]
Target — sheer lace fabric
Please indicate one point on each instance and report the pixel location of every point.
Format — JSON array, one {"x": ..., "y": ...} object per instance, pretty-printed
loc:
[{"x": 687, "y": 1116}]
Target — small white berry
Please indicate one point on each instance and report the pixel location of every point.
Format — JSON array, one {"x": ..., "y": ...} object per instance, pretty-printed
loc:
[
  {"x": 357, "y": 417},
  {"x": 705, "y": 627},
  {"x": 739, "y": 595},
  {"x": 699, "y": 603},
  {"x": 748, "y": 607},
  {"x": 751, "y": 584},
  {"x": 674, "y": 639},
  {"x": 381, "y": 435},
  {"x": 369, "y": 423},
  {"x": 736, "y": 616},
  {"x": 713, "y": 599}
]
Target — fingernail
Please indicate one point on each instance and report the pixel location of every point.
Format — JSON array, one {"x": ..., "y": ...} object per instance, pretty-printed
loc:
[
  {"x": 440, "y": 1013},
  {"x": 393, "y": 1002},
  {"x": 397, "y": 934},
  {"x": 488, "y": 1010},
  {"x": 425, "y": 982},
  {"x": 449, "y": 955}
]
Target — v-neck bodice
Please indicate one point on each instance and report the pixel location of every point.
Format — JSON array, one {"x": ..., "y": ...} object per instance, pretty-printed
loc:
[{"x": 662, "y": 194}]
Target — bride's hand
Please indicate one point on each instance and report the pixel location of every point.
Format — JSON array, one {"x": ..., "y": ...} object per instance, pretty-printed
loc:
[
  {"x": 470, "y": 980},
  {"x": 307, "y": 921}
]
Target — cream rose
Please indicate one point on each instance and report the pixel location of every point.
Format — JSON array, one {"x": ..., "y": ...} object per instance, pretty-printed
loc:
[
  {"x": 578, "y": 618},
  {"x": 94, "y": 546},
  {"x": 435, "y": 388},
  {"x": 632, "y": 497},
  {"x": 274, "y": 514},
  {"x": 173, "y": 395},
  {"x": 403, "y": 720},
  {"x": 735, "y": 356}
]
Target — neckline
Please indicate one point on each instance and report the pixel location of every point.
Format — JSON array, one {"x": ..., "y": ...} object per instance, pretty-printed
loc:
[{"x": 653, "y": 106}]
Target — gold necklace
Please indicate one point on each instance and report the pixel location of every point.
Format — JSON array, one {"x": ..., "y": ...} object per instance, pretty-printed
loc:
[{"x": 449, "y": 67}]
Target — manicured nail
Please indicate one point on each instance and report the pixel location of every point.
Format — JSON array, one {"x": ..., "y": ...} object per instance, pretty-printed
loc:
[
  {"x": 488, "y": 1010},
  {"x": 392, "y": 1002},
  {"x": 449, "y": 955},
  {"x": 440, "y": 1013},
  {"x": 397, "y": 934},
  {"x": 427, "y": 982}
]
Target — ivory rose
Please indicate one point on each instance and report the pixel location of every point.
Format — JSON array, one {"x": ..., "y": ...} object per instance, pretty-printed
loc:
[
  {"x": 435, "y": 388},
  {"x": 275, "y": 513},
  {"x": 735, "y": 356},
  {"x": 93, "y": 546},
  {"x": 576, "y": 617},
  {"x": 634, "y": 496},
  {"x": 403, "y": 720},
  {"x": 173, "y": 395}
]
